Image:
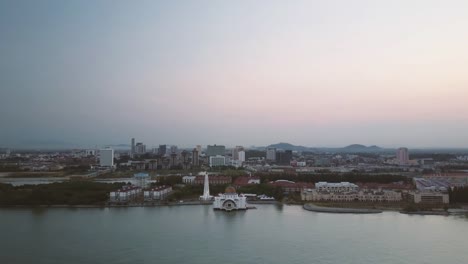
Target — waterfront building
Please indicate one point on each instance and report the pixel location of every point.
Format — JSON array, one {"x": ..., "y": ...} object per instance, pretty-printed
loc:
[
  {"x": 217, "y": 160},
  {"x": 271, "y": 154},
  {"x": 336, "y": 187},
  {"x": 230, "y": 200},
  {"x": 429, "y": 197},
  {"x": 402, "y": 156},
  {"x": 215, "y": 150},
  {"x": 125, "y": 194},
  {"x": 157, "y": 193},
  {"x": 290, "y": 186},
  {"x": 352, "y": 196},
  {"x": 106, "y": 157}
]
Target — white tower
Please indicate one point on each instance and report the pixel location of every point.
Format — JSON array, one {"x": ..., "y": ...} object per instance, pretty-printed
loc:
[{"x": 206, "y": 189}]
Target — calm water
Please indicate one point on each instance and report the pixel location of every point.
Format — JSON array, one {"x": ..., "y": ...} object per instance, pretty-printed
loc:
[{"x": 197, "y": 234}]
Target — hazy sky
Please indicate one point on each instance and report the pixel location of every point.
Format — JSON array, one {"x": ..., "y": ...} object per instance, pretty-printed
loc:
[{"x": 316, "y": 73}]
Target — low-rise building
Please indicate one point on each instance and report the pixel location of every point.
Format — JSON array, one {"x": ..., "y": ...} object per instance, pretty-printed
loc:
[
  {"x": 217, "y": 160},
  {"x": 429, "y": 197},
  {"x": 213, "y": 180},
  {"x": 359, "y": 196},
  {"x": 125, "y": 194},
  {"x": 336, "y": 187},
  {"x": 290, "y": 186},
  {"x": 158, "y": 193},
  {"x": 189, "y": 179},
  {"x": 246, "y": 180}
]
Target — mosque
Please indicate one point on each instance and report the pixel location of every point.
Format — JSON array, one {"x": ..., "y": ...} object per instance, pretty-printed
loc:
[{"x": 230, "y": 200}]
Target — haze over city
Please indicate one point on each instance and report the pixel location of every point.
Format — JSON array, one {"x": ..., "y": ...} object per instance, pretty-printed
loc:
[{"x": 313, "y": 73}]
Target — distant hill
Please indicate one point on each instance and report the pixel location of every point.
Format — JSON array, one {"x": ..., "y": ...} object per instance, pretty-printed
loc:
[
  {"x": 287, "y": 146},
  {"x": 361, "y": 148},
  {"x": 354, "y": 148}
]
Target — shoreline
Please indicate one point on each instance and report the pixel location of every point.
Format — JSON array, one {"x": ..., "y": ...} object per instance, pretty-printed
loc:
[{"x": 338, "y": 210}]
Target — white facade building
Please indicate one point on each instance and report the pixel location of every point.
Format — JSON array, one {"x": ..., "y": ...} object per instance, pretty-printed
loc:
[
  {"x": 271, "y": 154},
  {"x": 125, "y": 194},
  {"x": 336, "y": 187},
  {"x": 230, "y": 200},
  {"x": 430, "y": 197},
  {"x": 402, "y": 156},
  {"x": 106, "y": 157},
  {"x": 158, "y": 193},
  {"x": 242, "y": 156},
  {"x": 217, "y": 161},
  {"x": 361, "y": 196},
  {"x": 188, "y": 179}
]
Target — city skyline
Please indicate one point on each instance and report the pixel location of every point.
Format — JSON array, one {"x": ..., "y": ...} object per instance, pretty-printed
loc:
[{"x": 312, "y": 73}]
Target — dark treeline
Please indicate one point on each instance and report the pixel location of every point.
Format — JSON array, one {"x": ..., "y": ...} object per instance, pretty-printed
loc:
[
  {"x": 434, "y": 156},
  {"x": 70, "y": 193},
  {"x": 458, "y": 195},
  {"x": 451, "y": 168},
  {"x": 194, "y": 191},
  {"x": 334, "y": 177}
]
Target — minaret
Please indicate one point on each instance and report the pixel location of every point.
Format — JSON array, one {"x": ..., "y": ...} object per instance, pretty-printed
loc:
[{"x": 206, "y": 189}]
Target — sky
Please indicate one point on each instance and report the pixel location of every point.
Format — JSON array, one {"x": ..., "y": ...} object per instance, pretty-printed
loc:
[{"x": 314, "y": 73}]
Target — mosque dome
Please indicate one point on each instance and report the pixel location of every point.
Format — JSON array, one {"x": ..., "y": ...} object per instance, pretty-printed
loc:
[{"x": 230, "y": 189}]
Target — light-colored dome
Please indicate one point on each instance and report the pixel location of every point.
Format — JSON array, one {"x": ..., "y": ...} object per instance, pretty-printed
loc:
[{"x": 230, "y": 189}]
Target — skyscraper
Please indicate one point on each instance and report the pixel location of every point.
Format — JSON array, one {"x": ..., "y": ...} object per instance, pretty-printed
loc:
[
  {"x": 271, "y": 154},
  {"x": 195, "y": 158},
  {"x": 140, "y": 148},
  {"x": 402, "y": 156},
  {"x": 162, "y": 150},
  {"x": 132, "y": 148},
  {"x": 235, "y": 152},
  {"x": 242, "y": 156},
  {"x": 106, "y": 157},
  {"x": 215, "y": 150}
]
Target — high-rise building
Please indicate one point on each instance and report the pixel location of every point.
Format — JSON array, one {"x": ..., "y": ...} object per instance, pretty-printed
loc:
[
  {"x": 235, "y": 152},
  {"x": 199, "y": 149},
  {"x": 217, "y": 160},
  {"x": 195, "y": 158},
  {"x": 402, "y": 156},
  {"x": 140, "y": 148},
  {"x": 106, "y": 157},
  {"x": 271, "y": 154},
  {"x": 132, "y": 148},
  {"x": 284, "y": 157},
  {"x": 242, "y": 156},
  {"x": 215, "y": 150},
  {"x": 173, "y": 149},
  {"x": 162, "y": 150}
]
